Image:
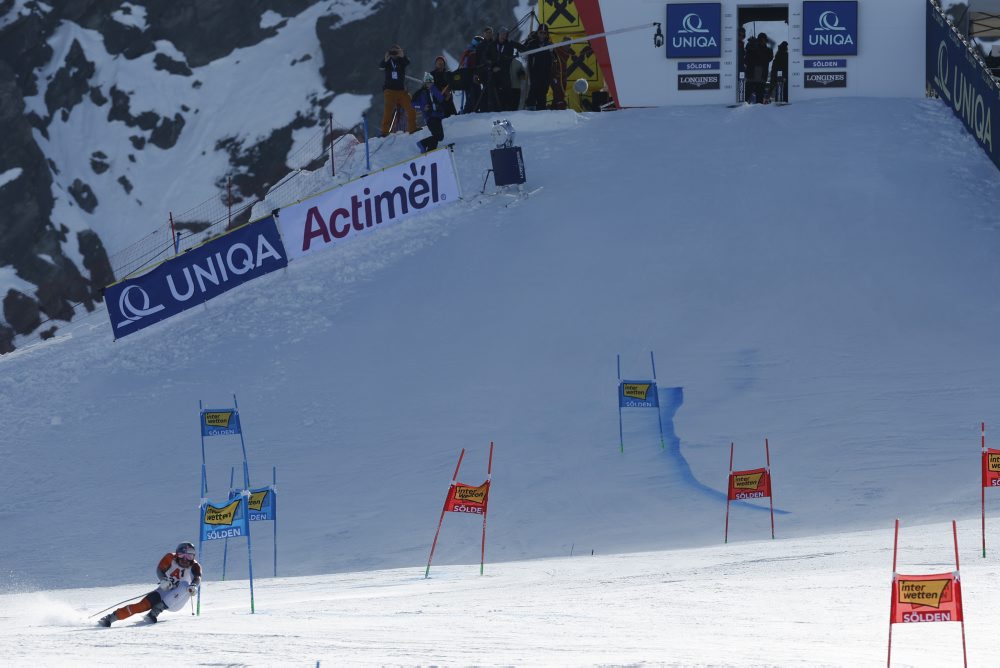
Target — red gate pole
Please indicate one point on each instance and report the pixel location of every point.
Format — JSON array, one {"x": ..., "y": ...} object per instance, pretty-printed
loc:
[
  {"x": 895, "y": 543},
  {"x": 729, "y": 482},
  {"x": 958, "y": 577},
  {"x": 982, "y": 482},
  {"x": 770, "y": 496},
  {"x": 489, "y": 477},
  {"x": 441, "y": 521}
]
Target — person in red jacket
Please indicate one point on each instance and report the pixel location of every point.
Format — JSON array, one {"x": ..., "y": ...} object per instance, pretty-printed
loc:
[{"x": 179, "y": 574}]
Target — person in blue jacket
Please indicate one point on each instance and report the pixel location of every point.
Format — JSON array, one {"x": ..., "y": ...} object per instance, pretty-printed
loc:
[{"x": 431, "y": 103}]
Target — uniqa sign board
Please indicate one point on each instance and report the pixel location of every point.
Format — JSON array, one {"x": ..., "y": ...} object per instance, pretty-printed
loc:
[
  {"x": 830, "y": 28},
  {"x": 363, "y": 206},
  {"x": 961, "y": 81},
  {"x": 694, "y": 30},
  {"x": 195, "y": 276}
]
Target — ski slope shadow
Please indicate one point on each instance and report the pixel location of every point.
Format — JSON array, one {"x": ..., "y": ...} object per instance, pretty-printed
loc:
[{"x": 670, "y": 400}]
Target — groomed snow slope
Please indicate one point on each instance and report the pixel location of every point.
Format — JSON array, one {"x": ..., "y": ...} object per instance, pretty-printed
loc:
[{"x": 823, "y": 275}]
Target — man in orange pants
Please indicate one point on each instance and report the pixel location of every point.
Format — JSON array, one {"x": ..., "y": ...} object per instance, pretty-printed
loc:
[
  {"x": 394, "y": 89},
  {"x": 179, "y": 576}
]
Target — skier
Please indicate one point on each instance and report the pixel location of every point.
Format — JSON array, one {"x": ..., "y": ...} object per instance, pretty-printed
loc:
[{"x": 179, "y": 576}]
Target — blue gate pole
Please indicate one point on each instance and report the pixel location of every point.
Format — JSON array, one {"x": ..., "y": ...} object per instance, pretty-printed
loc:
[
  {"x": 246, "y": 509},
  {"x": 618, "y": 400},
  {"x": 246, "y": 466},
  {"x": 201, "y": 430},
  {"x": 225, "y": 547},
  {"x": 274, "y": 500},
  {"x": 659, "y": 418},
  {"x": 368, "y": 161},
  {"x": 201, "y": 516}
]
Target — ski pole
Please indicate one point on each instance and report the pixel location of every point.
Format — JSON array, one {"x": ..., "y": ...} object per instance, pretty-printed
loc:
[
  {"x": 191, "y": 599},
  {"x": 116, "y": 605}
]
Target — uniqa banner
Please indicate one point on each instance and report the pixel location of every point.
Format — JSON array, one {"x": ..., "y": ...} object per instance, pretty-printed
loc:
[
  {"x": 961, "y": 80},
  {"x": 926, "y": 598},
  {"x": 468, "y": 499},
  {"x": 228, "y": 521},
  {"x": 220, "y": 422},
  {"x": 364, "y": 205},
  {"x": 694, "y": 30},
  {"x": 830, "y": 28},
  {"x": 750, "y": 484},
  {"x": 195, "y": 276},
  {"x": 638, "y": 394},
  {"x": 991, "y": 468}
]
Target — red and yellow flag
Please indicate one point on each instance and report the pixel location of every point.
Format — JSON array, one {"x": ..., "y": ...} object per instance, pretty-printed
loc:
[
  {"x": 991, "y": 468},
  {"x": 926, "y": 598},
  {"x": 750, "y": 484},
  {"x": 468, "y": 499}
]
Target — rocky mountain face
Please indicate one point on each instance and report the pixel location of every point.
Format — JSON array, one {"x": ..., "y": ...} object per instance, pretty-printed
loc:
[{"x": 53, "y": 262}]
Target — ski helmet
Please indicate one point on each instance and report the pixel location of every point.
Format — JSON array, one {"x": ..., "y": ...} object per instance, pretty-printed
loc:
[{"x": 186, "y": 551}]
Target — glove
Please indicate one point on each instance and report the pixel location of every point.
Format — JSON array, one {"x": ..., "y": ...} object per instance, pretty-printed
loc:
[
  {"x": 193, "y": 590},
  {"x": 165, "y": 584}
]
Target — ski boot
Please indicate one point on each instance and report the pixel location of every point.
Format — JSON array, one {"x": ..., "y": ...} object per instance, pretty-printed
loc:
[{"x": 106, "y": 620}]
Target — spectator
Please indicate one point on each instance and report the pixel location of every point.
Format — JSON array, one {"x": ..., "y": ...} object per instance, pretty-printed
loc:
[
  {"x": 431, "y": 103},
  {"x": 442, "y": 79},
  {"x": 467, "y": 64},
  {"x": 501, "y": 79},
  {"x": 758, "y": 60},
  {"x": 394, "y": 89},
  {"x": 779, "y": 74},
  {"x": 539, "y": 68},
  {"x": 486, "y": 67}
]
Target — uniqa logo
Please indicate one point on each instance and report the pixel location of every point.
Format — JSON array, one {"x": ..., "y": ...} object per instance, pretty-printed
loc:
[
  {"x": 941, "y": 78},
  {"x": 693, "y": 24},
  {"x": 968, "y": 103},
  {"x": 829, "y": 20},
  {"x": 130, "y": 310},
  {"x": 216, "y": 269}
]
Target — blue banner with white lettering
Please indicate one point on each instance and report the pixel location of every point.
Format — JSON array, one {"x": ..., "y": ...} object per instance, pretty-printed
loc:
[
  {"x": 694, "y": 30},
  {"x": 194, "y": 277},
  {"x": 225, "y": 521},
  {"x": 961, "y": 80},
  {"x": 220, "y": 422},
  {"x": 698, "y": 66},
  {"x": 830, "y": 28},
  {"x": 825, "y": 63},
  {"x": 263, "y": 503},
  {"x": 638, "y": 394}
]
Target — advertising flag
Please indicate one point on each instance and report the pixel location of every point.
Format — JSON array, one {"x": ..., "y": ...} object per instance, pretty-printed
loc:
[
  {"x": 468, "y": 499},
  {"x": 750, "y": 484},
  {"x": 991, "y": 468},
  {"x": 220, "y": 422},
  {"x": 263, "y": 504},
  {"x": 226, "y": 521},
  {"x": 926, "y": 598},
  {"x": 638, "y": 394}
]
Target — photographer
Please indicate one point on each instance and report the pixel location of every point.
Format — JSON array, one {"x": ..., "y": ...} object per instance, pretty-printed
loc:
[{"x": 394, "y": 89}]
